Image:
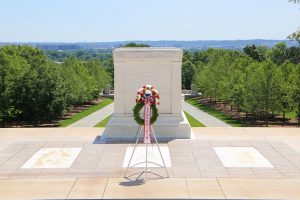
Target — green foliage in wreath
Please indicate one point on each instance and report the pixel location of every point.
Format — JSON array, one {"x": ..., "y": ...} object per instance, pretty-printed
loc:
[{"x": 136, "y": 113}]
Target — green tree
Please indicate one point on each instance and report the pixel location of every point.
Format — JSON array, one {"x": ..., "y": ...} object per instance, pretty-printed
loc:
[
  {"x": 132, "y": 44},
  {"x": 286, "y": 89},
  {"x": 35, "y": 57},
  {"x": 200, "y": 57},
  {"x": 251, "y": 101},
  {"x": 293, "y": 54},
  {"x": 76, "y": 77},
  {"x": 25, "y": 65},
  {"x": 262, "y": 89},
  {"x": 296, "y": 90},
  {"x": 210, "y": 77},
  {"x": 188, "y": 71},
  {"x": 187, "y": 56},
  {"x": 257, "y": 87},
  {"x": 279, "y": 53},
  {"x": 100, "y": 77},
  {"x": 4, "y": 101},
  {"x": 33, "y": 88},
  {"x": 236, "y": 82},
  {"x": 253, "y": 53}
]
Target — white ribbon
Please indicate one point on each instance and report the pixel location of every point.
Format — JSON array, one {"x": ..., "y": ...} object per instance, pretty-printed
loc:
[{"x": 147, "y": 123}]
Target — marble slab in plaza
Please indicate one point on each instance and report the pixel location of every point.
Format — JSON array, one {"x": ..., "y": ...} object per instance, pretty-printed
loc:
[
  {"x": 52, "y": 158},
  {"x": 136, "y": 67},
  {"x": 242, "y": 157},
  {"x": 153, "y": 155}
]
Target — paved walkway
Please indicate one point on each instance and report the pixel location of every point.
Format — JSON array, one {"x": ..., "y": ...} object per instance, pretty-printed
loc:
[
  {"x": 171, "y": 188},
  {"x": 94, "y": 118},
  {"x": 106, "y": 160},
  {"x": 203, "y": 117}
]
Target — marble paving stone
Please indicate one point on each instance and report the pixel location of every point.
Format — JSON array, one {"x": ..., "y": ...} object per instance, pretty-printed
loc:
[
  {"x": 260, "y": 188},
  {"x": 52, "y": 158},
  {"x": 85, "y": 157},
  {"x": 200, "y": 143},
  {"x": 10, "y": 167},
  {"x": 51, "y": 173},
  {"x": 241, "y": 157},
  {"x": 108, "y": 173},
  {"x": 291, "y": 174},
  {"x": 204, "y": 188},
  {"x": 220, "y": 143},
  {"x": 110, "y": 161},
  {"x": 88, "y": 188},
  {"x": 35, "y": 188},
  {"x": 25, "y": 173},
  {"x": 4, "y": 157},
  {"x": 261, "y": 192},
  {"x": 54, "y": 145},
  {"x": 120, "y": 188},
  {"x": 240, "y": 143},
  {"x": 257, "y": 181},
  {"x": 178, "y": 163},
  {"x": 77, "y": 173},
  {"x": 267, "y": 173},
  {"x": 240, "y": 172},
  {"x": 153, "y": 156},
  {"x": 212, "y": 173},
  {"x": 285, "y": 166},
  {"x": 72, "y": 144},
  {"x": 182, "y": 172}
]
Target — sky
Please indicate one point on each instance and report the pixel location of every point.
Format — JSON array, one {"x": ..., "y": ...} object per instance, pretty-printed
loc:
[{"x": 119, "y": 20}]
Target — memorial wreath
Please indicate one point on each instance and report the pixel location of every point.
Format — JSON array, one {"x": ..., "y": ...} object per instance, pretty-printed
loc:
[{"x": 146, "y": 94}]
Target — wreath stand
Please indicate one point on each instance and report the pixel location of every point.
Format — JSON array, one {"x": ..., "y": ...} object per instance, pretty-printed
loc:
[{"x": 146, "y": 170}]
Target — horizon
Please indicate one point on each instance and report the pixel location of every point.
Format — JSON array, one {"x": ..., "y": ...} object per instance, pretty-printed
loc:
[
  {"x": 75, "y": 21},
  {"x": 166, "y": 40}
]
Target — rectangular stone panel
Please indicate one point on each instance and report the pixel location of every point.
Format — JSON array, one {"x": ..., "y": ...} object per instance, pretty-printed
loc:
[
  {"x": 242, "y": 157},
  {"x": 52, "y": 158}
]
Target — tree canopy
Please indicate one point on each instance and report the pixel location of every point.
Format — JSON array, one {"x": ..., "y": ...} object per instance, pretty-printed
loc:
[
  {"x": 257, "y": 81},
  {"x": 132, "y": 44},
  {"x": 34, "y": 88}
]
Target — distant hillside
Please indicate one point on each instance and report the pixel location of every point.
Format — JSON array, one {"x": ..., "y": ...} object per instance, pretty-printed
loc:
[{"x": 199, "y": 44}]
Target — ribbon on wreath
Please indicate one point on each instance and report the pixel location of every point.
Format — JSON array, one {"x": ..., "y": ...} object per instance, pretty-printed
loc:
[{"x": 147, "y": 123}]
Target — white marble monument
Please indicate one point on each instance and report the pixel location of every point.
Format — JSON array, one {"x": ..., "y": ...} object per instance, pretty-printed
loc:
[{"x": 136, "y": 67}]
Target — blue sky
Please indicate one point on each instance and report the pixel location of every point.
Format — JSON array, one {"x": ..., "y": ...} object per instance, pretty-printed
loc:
[{"x": 116, "y": 20}]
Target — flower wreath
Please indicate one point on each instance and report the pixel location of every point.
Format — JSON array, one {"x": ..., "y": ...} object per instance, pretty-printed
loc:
[{"x": 146, "y": 94}]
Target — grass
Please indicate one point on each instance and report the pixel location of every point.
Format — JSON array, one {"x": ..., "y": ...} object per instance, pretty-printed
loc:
[
  {"x": 85, "y": 113},
  {"x": 217, "y": 114},
  {"x": 193, "y": 122},
  {"x": 292, "y": 114},
  {"x": 103, "y": 122}
]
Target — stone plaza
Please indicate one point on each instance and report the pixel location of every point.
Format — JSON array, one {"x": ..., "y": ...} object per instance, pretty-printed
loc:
[{"x": 196, "y": 169}]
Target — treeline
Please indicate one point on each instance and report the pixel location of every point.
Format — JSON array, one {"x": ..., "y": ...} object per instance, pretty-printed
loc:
[
  {"x": 99, "y": 55},
  {"x": 258, "y": 81},
  {"x": 85, "y": 54},
  {"x": 34, "y": 88}
]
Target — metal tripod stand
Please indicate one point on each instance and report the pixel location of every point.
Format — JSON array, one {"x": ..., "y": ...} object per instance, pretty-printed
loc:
[{"x": 146, "y": 170}]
